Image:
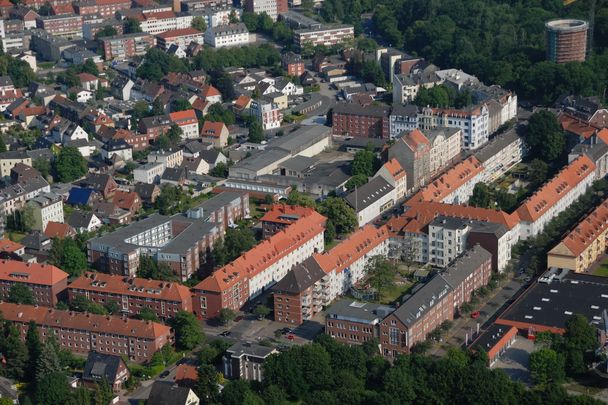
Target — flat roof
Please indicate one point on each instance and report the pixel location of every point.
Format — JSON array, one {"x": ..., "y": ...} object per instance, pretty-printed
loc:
[{"x": 355, "y": 311}]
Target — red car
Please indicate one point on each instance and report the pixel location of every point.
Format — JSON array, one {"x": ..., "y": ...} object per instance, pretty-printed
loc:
[
  {"x": 291, "y": 337},
  {"x": 475, "y": 314}
]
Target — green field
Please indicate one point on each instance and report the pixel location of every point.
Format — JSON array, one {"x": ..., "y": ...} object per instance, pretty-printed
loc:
[{"x": 602, "y": 270}]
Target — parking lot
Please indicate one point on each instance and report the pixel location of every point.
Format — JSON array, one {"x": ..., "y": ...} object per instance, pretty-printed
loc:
[{"x": 514, "y": 361}]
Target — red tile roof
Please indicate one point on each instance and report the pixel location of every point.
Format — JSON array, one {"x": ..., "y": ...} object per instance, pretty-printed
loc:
[
  {"x": 137, "y": 287},
  {"x": 358, "y": 244},
  {"x": 158, "y": 15},
  {"x": 31, "y": 273},
  {"x": 179, "y": 33},
  {"x": 242, "y": 102},
  {"x": 576, "y": 126},
  {"x": 186, "y": 372},
  {"x": 183, "y": 117},
  {"x": 9, "y": 246},
  {"x": 58, "y": 9},
  {"x": 264, "y": 254},
  {"x": 588, "y": 230},
  {"x": 554, "y": 190},
  {"x": 125, "y": 199},
  {"x": 210, "y": 91},
  {"x": 83, "y": 321},
  {"x": 286, "y": 214},
  {"x": 414, "y": 139},
  {"x": 213, "y": 129},
  {"x": 450, "y": 181},
  {"x": 603, "y": 135},
  {"x": 87, "y": 77},
  {"x": 58, "y": 230},
  {"x": 394, "y": 168}
]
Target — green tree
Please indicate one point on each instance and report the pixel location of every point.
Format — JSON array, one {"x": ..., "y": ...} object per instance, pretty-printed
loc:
[
  {"x": 381, "y": 274},
  {"x": 538, "y": 171},
  {"x": 199, "y": 23},
  {"x": 546, "y": 365},
  {"x": 21, "y": 294},
  {"x": 52, "y": 389},
  {"x": 188, "y": 330},
  {"x": 219, "y": 170},
  {"x": 2, "y": 145},
  {"x": 148, "y": 314},
  {"x": 82, "y": 304},
  {"x": 261, "y": 311},
  {"x": 34, "y": 349},
  {"x": 68, "y": 256},
  {"x": 226, "y": 315},
  {"x": 237, "y": 241},
  {"x": 544, "y": 136},
  {"x": 174, "y": 134},
  {"x": 107, "y": 31},
  {"x": 297, "y": 198},
  {"x": 482, "y": 196},
  {"x": 238, "y": 392},
  {"x": 340, "y": 213},
  {"x": 43, "y": 166},
  {"x": 45, "y": 10},
  {"x": 206, "y": 386},
  {"x": 112, "y": 307},
  {"x": 181, "y": 105},
  {"x": 14, "y": 351},
  {"x": 69, "y": 165},
  {"x": 48, "y": 361},
  {"x": 131, "y": 26},
  {"x": 363, "y": 163},
  {"x": 256, "y": 132}
]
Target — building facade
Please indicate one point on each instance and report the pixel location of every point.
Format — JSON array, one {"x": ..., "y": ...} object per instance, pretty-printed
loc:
[{"x": 46, "y": 282}]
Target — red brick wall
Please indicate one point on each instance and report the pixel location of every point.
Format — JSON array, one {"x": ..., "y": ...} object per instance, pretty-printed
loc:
[{"x": 287, "y": 309}]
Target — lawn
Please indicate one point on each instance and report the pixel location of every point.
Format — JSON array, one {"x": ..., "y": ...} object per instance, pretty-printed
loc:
[
  {"x": 394, "y": 293},
  {"x": 602, "y": 270}
]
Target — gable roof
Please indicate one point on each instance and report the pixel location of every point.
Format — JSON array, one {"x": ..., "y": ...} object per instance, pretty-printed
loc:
[
  {"x": 58, "y": 230},
  {"x": 165, "y": 393},
  {"x": 213, "y": 129},
  {"x": 394, "y": 168},
  {"x": 101, "y": 366},
  {"x": 555, "y": 189},
  {"x": 79, "y": 196},
  {"x": 368, "y": 193},
  {"x": 125, "y": 199},
  {"x": 7, "y": 245},
  {"x": 31, "y": 273},
  {"x": 301, "y": 277},
  {"x": 80, "y": 219}
]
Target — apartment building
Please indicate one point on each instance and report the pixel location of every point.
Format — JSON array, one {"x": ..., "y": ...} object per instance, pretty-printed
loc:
[
  {"x": 584, "y": 244},
  {"x": 14, "y": 196},
  {"x": 455, "y": 186},
  {"x": 223, "y": 209},
  {"x": 149, "y": 173},
  {"x": 435, "y": 302},
  {"x": 215, "y": 133},
  {"x": 105, "y": 8},
  {"x": 10, "y": 159},
  {"x": 353, "y": 119},
  {"x": 262, "y": 6},
  {"x": 372, "y": 199},
  {"x": 292, "y": 63},
  {"x": 280, "y": 216},
  {"x": 354, "y": 323},
  {"x": 445, "y": 146},
  {"x": 45, "y": 281},
  {"x": 327, "y": 35},
  {"x": 182, "y": 38},
  {"x": 266, "y": 113},
  {"x": 163, "y": 21},
  {"x": 63, "y": 26},
  {"x": 179, "y": 242},
  {"x": 474, "y": 123},
  {"x": 245, "y": 361},
  {"x": 259, "y": 268},
  {"x": 555, "y": 196},
  {"x": 501, "y": 154},
  {"x": 320, "y": 279},
  {"x": 169, "y": 158},
  {"x": 82, "y": 333},
  {"x": 227, "y": 35},
  {"x": 187, "y": 122},
  {"x": 132, "y": 294},
  {"x": 46, "y": 207},
  {"x": 154, "y": 126},
  {"x": 394, "y": 175},
  {"x": 413, "y": 152},
  {"x": 127, "y": 45}
]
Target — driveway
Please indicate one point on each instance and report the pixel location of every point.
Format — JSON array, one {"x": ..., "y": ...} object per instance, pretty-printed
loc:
[{"x": 514, "y": 360}]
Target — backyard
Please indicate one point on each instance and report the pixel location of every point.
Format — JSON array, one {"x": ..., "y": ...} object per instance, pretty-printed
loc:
[{"x": 602, "y": 269}]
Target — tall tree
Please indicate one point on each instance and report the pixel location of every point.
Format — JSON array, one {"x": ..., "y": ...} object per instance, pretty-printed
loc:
[
  {"x": 206, "y": 386},
  {"x": 199, "y": 23},
  {"x": 188, "y": 330},
  {"x": 69, "y": 164},
  {"x": 340, "y": 213},
  {"x": 256, "y": 132},
  {"x": 34, "y": 348},
  {"x": 21, "y": 294},
  {"x": 52, "y": 389},
  {"x": 15, "y": 352},
  {"x": 544, "y": 135},
  {"x": 48, "y": 362},
  {"x": 546, "y": 365}
]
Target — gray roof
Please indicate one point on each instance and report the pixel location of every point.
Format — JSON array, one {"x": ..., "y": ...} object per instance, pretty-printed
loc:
[
  {"x": 228, "y": 29},
  {"x": 369, "y": 193},
  {"x": 301, "y": 277},
  {"x": 299, "y": 163},
  {"x": 300, "y": 139},
  {"x": 330, "y": 174},
  {"x": 183, "y": 242},
  {"x": 455, "y": 223},
  {"x": 165, "y": 393},
  {"x": 260, "y": 160},
  {"x": 80, "y": 219},
  {"x": 422, "y": 301},
  {"x": 117, "y": 239},
  {"x": 407, "y": 110},
  {"x": 14, "y": 154},
  {"x": 364, "y": 312},
  {"x": 174, "y": 173},
  {"x": 358, "y": 109},
  {"x": 101, "y": 366},
  {"x": 251, "y": 350},
  {"x": 8, "y": 389},
  {"x": 595, "y": 152},
  {"x": 431, "y": 134},
  {"x": 496, "y": 145},
  {"x": 465, "y": 265}
]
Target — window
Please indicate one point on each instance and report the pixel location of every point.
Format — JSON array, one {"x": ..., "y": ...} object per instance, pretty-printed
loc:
[{"x": 394, "y": 336}]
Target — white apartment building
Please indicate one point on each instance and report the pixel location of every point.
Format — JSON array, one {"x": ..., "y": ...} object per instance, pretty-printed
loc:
[
  {"x": 279, "y": 268},
  {"x": 473, "y": 122},
  {"x": 406, "y": 87},
  {"x": 182, "y": 38},
  {"x": 501, "y": 154},
  {"x": 445, "y": 146},
  {"x": 325, "y": 35},
  {"x": 555, "y": 196},
  {"x": 267, "y": 113},
  {"x": 10, "y": 159},
  {"x": 149, "y": 173},
  {"x": 227, "y": 35},
  {"x": 262, "y": 6},
  {"x": 403, "y": 118},
  {"x": 156, "y": 23},
  {"x": 46, "y": 207},
  {"x": 447, "y": 239},
  {"x": 169, "y": 158}
]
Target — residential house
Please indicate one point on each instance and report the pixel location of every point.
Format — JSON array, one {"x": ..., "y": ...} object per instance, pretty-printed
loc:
[
  {"x": 84, "y": 221},
  {"x": 227, "y": 35},
  {"x": 215, "y": 133},
  {"x": 187, "y": 122},
  {"x": 165, "y": 393},
  {"x": 117, "y": 148},
  {"x": 149, "y": 173},
  {"x": 101, "y": 367}
]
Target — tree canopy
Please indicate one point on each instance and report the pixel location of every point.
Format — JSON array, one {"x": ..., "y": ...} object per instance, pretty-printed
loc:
[
  {"x": 69, "y": 164},
  {"x": 544, "y": 136},
  {"x": 188, "y": 330},
  {"x": 68, "y": 256},
  {"x": 21, "y": 294}
]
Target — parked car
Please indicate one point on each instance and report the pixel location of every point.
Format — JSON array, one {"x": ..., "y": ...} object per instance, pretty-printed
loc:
[
  {"x": 291, "y": 336},
  {"x": 225, "y": 333},
  {"x": 475, "y": 314}
]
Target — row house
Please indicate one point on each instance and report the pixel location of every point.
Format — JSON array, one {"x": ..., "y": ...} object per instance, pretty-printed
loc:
[
  {"x": 319, "y": 280},
  {"x": 455, "y": 186},
  {"x": 555, "y": 196},
  {"x": 82, "y": 333},
  {"x": 46, "y": 282},
  {"x": 280, "y": 216},
  {"x": 584, "y": 244},
  {"x": 132, "y": 295},
  {"x": 437, "y": 301},
  {"x": 353, "y": 119},
  {"x": 105, "y": 8},
  {"x": 259, "y": 268}
]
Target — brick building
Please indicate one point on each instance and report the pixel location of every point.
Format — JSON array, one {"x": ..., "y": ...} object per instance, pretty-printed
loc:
[
  {"x": 293, "y": 64},
  {"x": 45, "y": 281},
  {"x": 182, "y": 38},
  {"x": 133, "y": 294},
  {"x": 83, "y": 332},
  {"x": 65, "y": 26},
  {"x": 105, "y": 8},
  {"x": 351, "y": 322},
  {"x": 356, "y": 120}
]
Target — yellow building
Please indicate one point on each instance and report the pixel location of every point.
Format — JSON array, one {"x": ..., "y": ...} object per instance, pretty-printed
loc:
[{"x": 580, "y": 248}]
